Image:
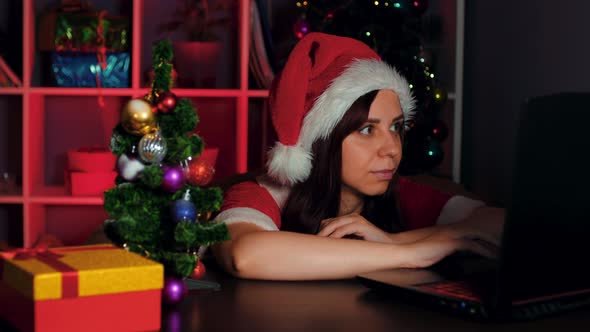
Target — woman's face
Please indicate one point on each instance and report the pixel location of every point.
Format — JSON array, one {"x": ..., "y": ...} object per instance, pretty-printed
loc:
[{"x": 371, "y": 154}]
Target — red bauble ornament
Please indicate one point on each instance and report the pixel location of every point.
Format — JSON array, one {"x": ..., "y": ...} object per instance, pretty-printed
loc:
[
  {"x": 166, "y": 102},
  {"x": 199, "y": 271},
  {"x": 199, "y": 172}
]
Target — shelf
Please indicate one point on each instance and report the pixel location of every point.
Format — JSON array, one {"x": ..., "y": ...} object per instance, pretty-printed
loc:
[
  {"x": 11, "y": 91},
  {"x": 16, "y": 198},
  {"x": 258, "y": 93},
  {"x": 56, "y": 195},
  {"x": 50, "y": 91}
]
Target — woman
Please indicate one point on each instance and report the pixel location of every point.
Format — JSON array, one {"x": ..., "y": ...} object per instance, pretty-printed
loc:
[{"x": 339, "y": 114}]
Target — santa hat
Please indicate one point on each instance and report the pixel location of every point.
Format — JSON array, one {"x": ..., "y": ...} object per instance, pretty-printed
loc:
[{"x": 324, "y": 75}]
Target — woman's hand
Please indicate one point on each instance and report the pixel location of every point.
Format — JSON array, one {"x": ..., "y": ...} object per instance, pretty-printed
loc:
[
  {"x": 484, "y": 224},
  {"x": 352, "y": 224},
  {"x": 439, "y": 245}
]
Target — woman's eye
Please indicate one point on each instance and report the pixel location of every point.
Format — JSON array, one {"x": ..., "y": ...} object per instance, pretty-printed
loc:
[
  {"x": 397, "y": 127},
  {"x": 366, "y": 130}
]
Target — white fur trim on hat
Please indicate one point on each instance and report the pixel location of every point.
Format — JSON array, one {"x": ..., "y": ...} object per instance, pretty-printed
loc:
[
  {"x": 360, "y": 77},
  {"x": 292, "y": 164},
  {"x": 289, "y": 164}
]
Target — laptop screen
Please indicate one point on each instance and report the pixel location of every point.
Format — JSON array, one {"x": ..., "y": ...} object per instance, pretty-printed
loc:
[{"x": 547, "y": 233}]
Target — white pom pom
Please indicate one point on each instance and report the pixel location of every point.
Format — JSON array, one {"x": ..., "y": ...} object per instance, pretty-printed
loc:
[
  {"x": 289, "y": 164},
  {"x": 129, "y": 168}
]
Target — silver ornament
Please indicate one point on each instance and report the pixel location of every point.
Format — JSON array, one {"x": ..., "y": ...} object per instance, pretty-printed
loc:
[{"x": 152, "y": 148}]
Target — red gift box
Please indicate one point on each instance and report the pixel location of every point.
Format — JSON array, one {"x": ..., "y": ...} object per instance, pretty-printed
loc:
[
  {"x": 86, "y": 288},
  {"x": 91, "y": 159},
  {"x": 89, "y": 184}
]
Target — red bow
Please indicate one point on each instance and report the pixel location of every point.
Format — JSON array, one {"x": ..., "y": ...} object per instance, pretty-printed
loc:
[{"x": 28, "y": 253}]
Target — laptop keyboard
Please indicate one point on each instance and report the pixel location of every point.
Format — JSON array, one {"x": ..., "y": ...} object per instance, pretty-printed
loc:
[{"x": 460, "y": 289}]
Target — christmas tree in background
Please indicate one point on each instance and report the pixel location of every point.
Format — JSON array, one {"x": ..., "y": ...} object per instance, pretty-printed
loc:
[
  {"x": 393, "y": 28},
  {"x": 160, "y": 207}
]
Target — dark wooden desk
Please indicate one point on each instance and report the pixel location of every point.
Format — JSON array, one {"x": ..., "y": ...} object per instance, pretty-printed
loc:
[
  {"x": 259, "y": 306},
  {"x": 245, "y": 305}
]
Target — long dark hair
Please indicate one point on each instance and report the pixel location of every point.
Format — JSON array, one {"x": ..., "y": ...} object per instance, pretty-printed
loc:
[{"x": 318, "y": 197}]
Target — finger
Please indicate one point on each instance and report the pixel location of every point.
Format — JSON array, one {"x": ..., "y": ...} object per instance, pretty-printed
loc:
[
  {"x": 325, "y": 222},
  {"x": 340, "y": 232},
  {"x": 477, "y": 248},
  {"x": 334, "y": 224},
  {"x": 478, "y": 234}
]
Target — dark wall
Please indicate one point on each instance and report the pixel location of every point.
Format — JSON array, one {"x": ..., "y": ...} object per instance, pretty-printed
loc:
[{"x": 514, "y": 50}]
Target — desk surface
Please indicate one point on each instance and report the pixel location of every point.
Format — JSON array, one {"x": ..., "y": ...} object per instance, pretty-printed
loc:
[
  {"x": 346, "y": 305},
  {"x": 246, "y": 305}
]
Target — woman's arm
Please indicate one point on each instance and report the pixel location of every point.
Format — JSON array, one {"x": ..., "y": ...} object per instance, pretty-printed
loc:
[
  {"x": 414, "y": 235},
  {"x": 485, "y": 223},
  {"x": 279, "y": 255}
]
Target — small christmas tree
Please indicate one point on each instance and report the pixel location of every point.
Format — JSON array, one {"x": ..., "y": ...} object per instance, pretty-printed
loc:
[{"x": 160, "y": 207}]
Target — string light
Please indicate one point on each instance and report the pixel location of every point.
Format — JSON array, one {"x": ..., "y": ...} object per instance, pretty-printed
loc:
[
  {"x": 298, "y": 4},
  {"x": 368, "y": 33},
  {"x": 397, "y": 5},
  {"x": 376, "y": 3}
]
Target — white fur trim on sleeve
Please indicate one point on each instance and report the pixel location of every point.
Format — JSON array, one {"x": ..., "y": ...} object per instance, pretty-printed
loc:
[
  {"x": 457, "y": 208},
  {"x": 249, "y": 215}
]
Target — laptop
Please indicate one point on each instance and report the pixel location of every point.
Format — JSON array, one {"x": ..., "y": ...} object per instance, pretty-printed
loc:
[{"x": 546, "y": 238}]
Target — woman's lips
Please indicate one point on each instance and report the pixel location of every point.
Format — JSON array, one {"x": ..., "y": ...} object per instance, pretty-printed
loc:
[{"x": 385, "y": 174}]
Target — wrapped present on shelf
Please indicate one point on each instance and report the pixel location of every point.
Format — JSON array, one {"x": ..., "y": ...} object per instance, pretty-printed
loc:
[
  {"x": 89, "y": 184},
  {"x": 91, "y": 159},
  {"x": 83, "y": 47},
  {"x": 90, "y": 171},
  {"x": 86, "y": 288}
]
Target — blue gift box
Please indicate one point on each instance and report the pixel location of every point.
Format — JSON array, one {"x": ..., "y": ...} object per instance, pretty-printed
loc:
[{"x": 78, "y": 69}]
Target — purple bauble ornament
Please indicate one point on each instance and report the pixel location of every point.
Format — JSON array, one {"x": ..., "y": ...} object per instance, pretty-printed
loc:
[
  {"x": 173, "y": 178},
  {"x": 174, "y": 290},
  {"x": 172, "y": 320}
]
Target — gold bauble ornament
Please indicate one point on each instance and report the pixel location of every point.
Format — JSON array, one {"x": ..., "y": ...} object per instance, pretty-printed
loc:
[{"x": 137, "y": 117}]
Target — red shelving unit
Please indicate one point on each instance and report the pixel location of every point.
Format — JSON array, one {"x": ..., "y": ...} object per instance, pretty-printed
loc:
[{"x": 49, "y": 112}]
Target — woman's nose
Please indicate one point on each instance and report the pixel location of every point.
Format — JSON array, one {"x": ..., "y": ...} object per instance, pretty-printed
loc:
[{"x": 391, "y": 146}]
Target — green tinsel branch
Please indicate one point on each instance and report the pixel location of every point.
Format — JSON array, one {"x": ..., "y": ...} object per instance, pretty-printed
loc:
[
  {"x": 176, "y": 263},
  {"x": 205, "y": 199},
  {"x": 122, "y": 141},
  {"x": 129, "y": 200},
  {"x": 189, "y": 235},
  {"x": 162, "y": 57},
  {"x": 151, "y": 176},
  {"x": 181, "y": 121}
]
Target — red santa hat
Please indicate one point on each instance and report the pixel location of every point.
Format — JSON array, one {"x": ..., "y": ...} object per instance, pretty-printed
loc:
[{"x": 322, "y": 78}]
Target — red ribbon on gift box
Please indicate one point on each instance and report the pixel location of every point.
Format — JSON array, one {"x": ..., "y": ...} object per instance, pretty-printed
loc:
[{"x": 50, "y": 257}]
